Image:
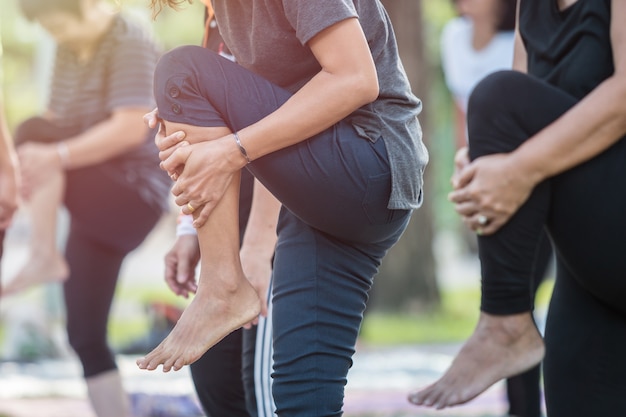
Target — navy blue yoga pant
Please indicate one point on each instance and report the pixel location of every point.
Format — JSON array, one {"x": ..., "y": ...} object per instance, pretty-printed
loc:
[
  {"x": 582, "y": 210},
  {"x": 334, "y": 227}
]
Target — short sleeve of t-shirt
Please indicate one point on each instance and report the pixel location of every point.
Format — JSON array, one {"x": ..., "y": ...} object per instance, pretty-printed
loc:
[{"x": 308, "y": 18}]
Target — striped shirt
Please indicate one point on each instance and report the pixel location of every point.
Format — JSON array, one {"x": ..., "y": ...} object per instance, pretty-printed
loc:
[{"x": 118, "y": 75}]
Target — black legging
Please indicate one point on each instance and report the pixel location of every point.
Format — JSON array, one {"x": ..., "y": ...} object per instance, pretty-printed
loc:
[
  {"x": 582, "y": 209},
  {"x": 524, "y": 390},
  {"x": 108, "y": 219}
]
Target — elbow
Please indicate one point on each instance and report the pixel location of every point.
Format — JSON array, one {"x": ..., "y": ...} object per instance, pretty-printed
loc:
[
  {"x": 372, "y": 92},
  {"x": 367, "y": 88}
]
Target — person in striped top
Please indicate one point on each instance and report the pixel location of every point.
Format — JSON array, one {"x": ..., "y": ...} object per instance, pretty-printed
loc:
[{"x": 91, "y": 152}]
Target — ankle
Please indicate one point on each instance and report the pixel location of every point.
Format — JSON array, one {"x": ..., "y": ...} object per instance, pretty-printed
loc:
[{"x": 512, "y": 327}]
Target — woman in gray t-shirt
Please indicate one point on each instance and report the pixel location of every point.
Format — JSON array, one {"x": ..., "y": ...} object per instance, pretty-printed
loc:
[{"x": 319, "y": 109}]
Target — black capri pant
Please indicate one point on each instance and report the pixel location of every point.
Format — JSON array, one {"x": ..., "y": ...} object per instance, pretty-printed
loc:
[
  {"x": 583, "y": 211},
  {"x": 108, "y": 219}
]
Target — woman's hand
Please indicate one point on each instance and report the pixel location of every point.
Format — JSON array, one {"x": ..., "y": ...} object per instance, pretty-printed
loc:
[
  {"x": 38, "y": 162},
  {"x": 166, "y": 144},
  {"x": 488, "y": 191},
  {"x": 208, "y": 169},
  {"x": 180, "y": 265}
]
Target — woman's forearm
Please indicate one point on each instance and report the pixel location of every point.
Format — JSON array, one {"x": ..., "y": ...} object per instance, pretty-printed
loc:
[
  {"x": 121, "y": 132},
  {"x": 347, "y": 81},
  {"x": 586, "y": 130}
]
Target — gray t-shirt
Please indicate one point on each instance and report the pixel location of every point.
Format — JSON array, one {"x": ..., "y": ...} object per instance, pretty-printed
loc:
[{"x": 269, "y": 37}]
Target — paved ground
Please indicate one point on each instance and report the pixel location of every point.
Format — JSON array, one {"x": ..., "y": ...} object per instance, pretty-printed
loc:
[
  {"x": 378, "y": 383},
  {"x": 377, "y": 386}
]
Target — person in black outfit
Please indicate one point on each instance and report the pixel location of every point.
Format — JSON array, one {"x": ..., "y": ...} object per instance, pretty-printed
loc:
[{"x": 548, "y": 150}]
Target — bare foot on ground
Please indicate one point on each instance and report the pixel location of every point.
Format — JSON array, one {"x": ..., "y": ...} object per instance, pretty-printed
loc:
[
  {"x": 500, "y": 347},
  {"x": 206, "y": 321},
  {"x": 38, "y": 270}
]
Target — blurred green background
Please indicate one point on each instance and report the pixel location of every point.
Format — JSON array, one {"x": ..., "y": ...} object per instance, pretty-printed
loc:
[{"x": 25, "y": 78}]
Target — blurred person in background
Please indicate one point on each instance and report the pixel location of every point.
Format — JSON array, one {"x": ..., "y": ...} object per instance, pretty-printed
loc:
[
  {"x": 91, "y": 152},
  {"x": 476, "y": 43},
  {"x": 9, "y": 171}
]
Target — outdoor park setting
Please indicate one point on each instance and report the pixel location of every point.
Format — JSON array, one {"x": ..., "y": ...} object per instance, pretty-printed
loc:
[{"x": 424, "y": 303}]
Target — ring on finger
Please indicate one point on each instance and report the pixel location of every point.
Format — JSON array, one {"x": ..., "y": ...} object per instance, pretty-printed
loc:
[
  {"x": 482, "y": 219},
  {"x": 190, "y": 208}
]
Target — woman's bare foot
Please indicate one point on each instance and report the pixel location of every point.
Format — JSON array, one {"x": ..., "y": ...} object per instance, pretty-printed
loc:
[
  {"x": 500, "y": 347},
  {"x": 208, "y": 318},
  {"x": 39, "y": 269}
]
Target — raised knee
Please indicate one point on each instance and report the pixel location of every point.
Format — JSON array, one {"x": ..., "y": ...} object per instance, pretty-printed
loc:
[
  {"x": 176, "y": 59},
  {"x": 495, "y": 91}
]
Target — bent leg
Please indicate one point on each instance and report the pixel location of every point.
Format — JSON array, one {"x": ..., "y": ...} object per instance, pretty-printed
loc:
[
  {"x": 45, "y": 262},
  {"x": 506, "y": 340},
  {"x": 195, "y": 87},
  {"x": 108, "y": 220},
  {"x": 225, "y": 299},
  {"x": 217, "y": 375},
  {"x": 335, "y": 226},
  {"x": 88, "y": 295}
]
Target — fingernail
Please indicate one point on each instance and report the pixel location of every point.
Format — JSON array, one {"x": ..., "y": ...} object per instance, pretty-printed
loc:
[{"x": 180, "y": 135}]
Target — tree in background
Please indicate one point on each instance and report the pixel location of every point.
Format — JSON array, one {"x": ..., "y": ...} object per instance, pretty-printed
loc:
[{"x": 408, "y": 278}]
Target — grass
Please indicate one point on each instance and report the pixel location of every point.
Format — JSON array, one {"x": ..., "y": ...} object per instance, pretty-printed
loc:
[
  {"x": 452, "y": 322},
  {"x": 130, "y": 319}
]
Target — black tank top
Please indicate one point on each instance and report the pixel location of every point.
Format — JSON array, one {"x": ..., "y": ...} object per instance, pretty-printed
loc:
[{"x": 570, "y": 49}]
